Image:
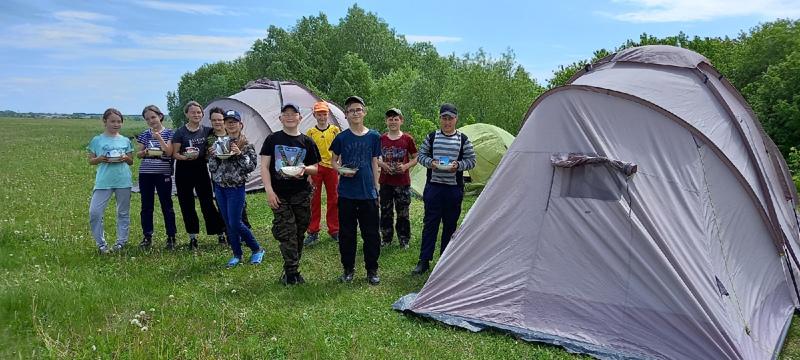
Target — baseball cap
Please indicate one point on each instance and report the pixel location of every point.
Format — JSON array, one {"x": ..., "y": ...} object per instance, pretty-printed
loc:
[
  {"x": 394, "y": 111},
  {"x": 354, "y": 99},
  {"x": 293, "y": 106},
  {"x": 321, "y": 106},
  {"x": 233, "y": 114},
  {"x": 448, "y": 109}
]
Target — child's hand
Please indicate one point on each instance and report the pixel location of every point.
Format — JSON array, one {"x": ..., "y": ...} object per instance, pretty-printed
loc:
[
  {"x": 454, "y": 167},
  {"x": 235, "y": 149},
  {"x": 401, "y": 168},
  {"x": 385, "y": 167},
  {"x": 123, "y": 158},
  {"x": 272, "y": 200},
  {"x": 434, "y": 163},
  {"x": 302, "y": 172},
  {"x": 211, "y": 151},
  {"x": 156, "y": 135},
  {"x": 103, "y": 158}
]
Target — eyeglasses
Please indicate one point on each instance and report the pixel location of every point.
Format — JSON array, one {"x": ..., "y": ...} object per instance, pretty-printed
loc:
[{"x": 355, "y": 111}]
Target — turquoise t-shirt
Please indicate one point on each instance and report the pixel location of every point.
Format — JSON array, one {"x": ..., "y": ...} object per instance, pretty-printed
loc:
[{"x": 111, "y": 175}]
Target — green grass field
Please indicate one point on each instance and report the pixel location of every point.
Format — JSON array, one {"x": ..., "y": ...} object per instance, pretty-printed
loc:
[{"x": 60, "y": 299}]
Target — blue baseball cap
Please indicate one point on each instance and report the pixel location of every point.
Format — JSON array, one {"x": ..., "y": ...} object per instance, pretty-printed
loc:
[
  {"x": 293, "y": 106},
  {"x": 232, "y": 114}
]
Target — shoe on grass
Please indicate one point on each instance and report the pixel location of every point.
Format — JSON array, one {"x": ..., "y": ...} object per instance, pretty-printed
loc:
[
  {"x": 422, "y": 267},
  {"x": 347, "y": 275},
  {"x": 223, "y": 240},
  {"x": 311, "y": 238},
  {"x": 292, "y": 279},
  {"x": 193, "y": 244},
  {"x": 233, "y": 262},
  {"x": 404, "y": 244},
  {"x": 103, "y": 249},
  {"x": 335, "y": 238},
  {"x": 372, "y": 277},
  {"x": 386, "y": 243},
  {"x": 118, "y": 247},
  {"x": 146, "y": 242},
  {"x": 170, "y": 243},
  {"x": 256, "y": 258}
]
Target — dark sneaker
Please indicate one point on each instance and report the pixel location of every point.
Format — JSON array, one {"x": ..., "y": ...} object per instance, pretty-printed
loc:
[
  {"x": 170, "y": 243},
  {"x": 256, "y": 258},
  {"x": 422, "y": 267},
  {"x": 385, "y": 243},
  {"x": 372, "y": 277},
  {"x": 404, "y": 244},
  {"x": 335, "y": 237},
  {"x": 118, "y": 247},
  {"x": 223, "y": 240},
  {"x": 311, "y": 238},
  {"x": 233, "y": 262},
  {"x": 103, "y": 249},
  {"x": 292, "y": 279},
  {"x": 146, "y": 243},
  {"x": 347, "y": 275},
  {"x": 193, "y": 244}
]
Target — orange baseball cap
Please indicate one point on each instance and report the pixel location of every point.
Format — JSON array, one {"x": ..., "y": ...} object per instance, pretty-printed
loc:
[{"x": 321, "y": 106}]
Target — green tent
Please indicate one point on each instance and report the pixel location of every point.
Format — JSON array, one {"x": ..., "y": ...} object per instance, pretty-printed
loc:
[{"x": 490, "y": 143}]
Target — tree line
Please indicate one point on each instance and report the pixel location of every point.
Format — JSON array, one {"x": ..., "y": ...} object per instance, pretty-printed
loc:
[{"x": 362, "y": 55}]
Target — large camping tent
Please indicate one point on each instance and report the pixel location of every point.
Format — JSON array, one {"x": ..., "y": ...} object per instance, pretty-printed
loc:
[
  {"x": 641, "y": 212},
  {"x": 259, "y": 104},
  {"x": 490, "y": 143}
]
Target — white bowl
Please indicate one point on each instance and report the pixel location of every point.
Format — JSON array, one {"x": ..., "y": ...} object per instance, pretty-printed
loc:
[
  {"x": 444, "y": 167},
  {"x": 223, "y": 156},
  {"x": 114, "y": 159},
  {"x": 345, "y": 170},
  {"x": 155, "y": 152},
  {"x": 291, "y": 170}
]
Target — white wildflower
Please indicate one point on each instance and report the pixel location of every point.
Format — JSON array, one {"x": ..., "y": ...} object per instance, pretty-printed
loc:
[
  {"x": 152, "y": 309},
  {"x": 138, "y": 316},
  {"x": 94, "y": 348},
  {"x": 274, "y": 339},
  {"x": 144, "y": 328},
  {"x": 172, "y": 296},
  {"x": 142, "y": 313},
  {"x": 233, "y": 291}
]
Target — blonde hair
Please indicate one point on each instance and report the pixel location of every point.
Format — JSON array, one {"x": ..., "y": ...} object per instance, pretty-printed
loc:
[{"x": 190, "y": 104}]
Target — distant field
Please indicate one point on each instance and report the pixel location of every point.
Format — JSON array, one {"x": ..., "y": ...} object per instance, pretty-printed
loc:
[{"x": 60, "y": 299}]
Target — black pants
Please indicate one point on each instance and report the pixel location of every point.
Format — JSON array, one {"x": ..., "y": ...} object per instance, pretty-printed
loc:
[
  {"x": 149, "y": 184},
  {"x": 192, "y": 177},
  {"x": 352, "y": 214}
]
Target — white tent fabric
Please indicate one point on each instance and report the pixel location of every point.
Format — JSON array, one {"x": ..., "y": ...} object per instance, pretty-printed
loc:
[
  {"x": 685, "y": 259},
  {"x": 260, "y": 105}
]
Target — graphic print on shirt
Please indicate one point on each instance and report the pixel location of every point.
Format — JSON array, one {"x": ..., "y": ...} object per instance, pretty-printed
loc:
[
  {"x": 393, "y": 155},
  {"x": 288, "y": 156},
  {"x": 195, "y": 142},
  {"x": 355, "y": 160}
]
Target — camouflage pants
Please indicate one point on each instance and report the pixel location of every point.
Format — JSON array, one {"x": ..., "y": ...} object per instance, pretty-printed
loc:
[
  {"x": 289, "y": 227},
  {"x": 400, "y": 198}
]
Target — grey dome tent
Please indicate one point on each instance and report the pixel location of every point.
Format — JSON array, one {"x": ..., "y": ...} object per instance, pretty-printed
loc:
[
  {"x": 641, "y": 212},
  {"x": 259, "y": 104}
]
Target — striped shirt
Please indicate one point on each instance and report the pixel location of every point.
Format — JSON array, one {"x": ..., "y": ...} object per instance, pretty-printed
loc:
[
  {"x": 451, "y": 147},
  {"x": 155, "y": 165}
]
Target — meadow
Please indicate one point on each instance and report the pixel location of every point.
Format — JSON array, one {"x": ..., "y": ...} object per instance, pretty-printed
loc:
[{"x": 59, "y": 298}]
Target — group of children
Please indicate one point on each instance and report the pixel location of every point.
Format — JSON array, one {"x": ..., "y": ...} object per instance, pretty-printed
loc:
[{"x": 365, "y": 174}]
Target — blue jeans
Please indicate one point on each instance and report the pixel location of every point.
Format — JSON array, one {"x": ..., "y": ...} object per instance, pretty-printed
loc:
[
  {"x": 442, "y": 205},
  {"x": 149, "y": 184},
  {"x": 231, "y": 203}
]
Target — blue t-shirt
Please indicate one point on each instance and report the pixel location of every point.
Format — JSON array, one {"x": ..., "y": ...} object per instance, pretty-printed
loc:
[
  {"x": 357, "y": 151},
  {"x": 111, "y": 175},
  {"x": 155, "y": 165}
]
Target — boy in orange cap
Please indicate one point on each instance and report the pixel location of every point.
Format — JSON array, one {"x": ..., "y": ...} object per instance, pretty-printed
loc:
[{"x": 323, "y": 134}]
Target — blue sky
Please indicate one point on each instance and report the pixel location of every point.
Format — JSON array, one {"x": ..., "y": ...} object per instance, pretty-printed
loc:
[{"x": 85, "y": 56}]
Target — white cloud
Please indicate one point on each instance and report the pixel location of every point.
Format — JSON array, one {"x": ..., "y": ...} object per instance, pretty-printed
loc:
[
  {"x": 63, "y": 34},
  {"x": 25, "y": 80},
  {"x": 184, "y": 7},
  {"x": 433, "y": 39},
  {"x": 80, "y": 15},
  {"x": 186, "y": 47},
  {"x": 694, "y": 10}
]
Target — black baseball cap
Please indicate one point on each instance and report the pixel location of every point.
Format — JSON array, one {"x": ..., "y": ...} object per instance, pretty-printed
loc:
[{"x": 448, "y": 109}]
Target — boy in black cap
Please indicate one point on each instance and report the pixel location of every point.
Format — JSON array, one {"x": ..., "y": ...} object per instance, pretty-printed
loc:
[
  {"x": 358, "y": 148},
  {"x": 447, "y": 153},
  {"x": 287, "y": 158}
]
